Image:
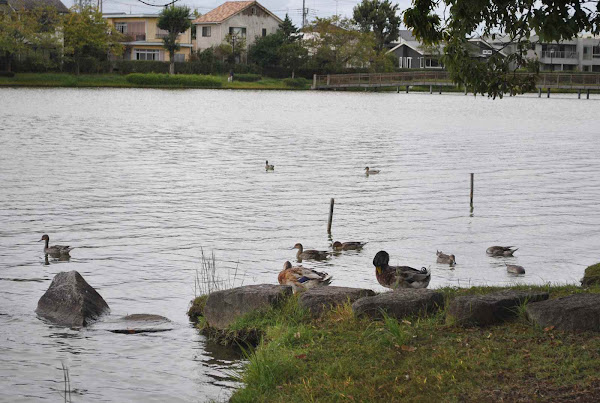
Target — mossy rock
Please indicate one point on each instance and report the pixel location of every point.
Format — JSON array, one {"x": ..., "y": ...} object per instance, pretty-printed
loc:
[
  {"x": 591, "y": 276},
  {"x": 196, "y": 310}
]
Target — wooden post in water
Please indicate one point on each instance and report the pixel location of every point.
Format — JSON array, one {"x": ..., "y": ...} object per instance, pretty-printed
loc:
[
  {"x": 330, "y": 216},
  {"x": 548, "y": 92},
  {"x": 440, "y": 90},
  {"x": 472, "y": 184},
  {"x": 407, "y": 89},
  {"x": 431, "y": 89},
  {"x": 397, "y": 90},
  {"x": 465, "y": 90},
  {"x": 588, "y": 94},
  {"x": 314, "y": 81},
  {"x": 540, "y": 92},
  {"x": 578, "y": 94}
]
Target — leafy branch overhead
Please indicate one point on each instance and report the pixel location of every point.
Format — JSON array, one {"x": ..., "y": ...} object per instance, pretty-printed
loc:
[{"x": 516, "y": 21}]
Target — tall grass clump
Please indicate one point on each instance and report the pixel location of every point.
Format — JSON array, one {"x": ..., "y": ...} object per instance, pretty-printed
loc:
[
  {"x": 296, "y": 82},
  {"x": 179, "y": 80}
]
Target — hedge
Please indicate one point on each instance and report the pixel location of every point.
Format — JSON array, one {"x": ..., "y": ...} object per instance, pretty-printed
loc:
[
  {"x": 298, "y": 82},
  {"x": 7, "y": 74},
  {"x": 247, "y": 77},
  {"x": 179, "y": 80}
]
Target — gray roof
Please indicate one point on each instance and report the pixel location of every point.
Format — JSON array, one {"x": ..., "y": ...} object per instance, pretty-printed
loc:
[{"x": 31, "y": 4}]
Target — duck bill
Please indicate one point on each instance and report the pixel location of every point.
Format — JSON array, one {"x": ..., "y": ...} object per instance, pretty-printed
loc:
[{"x": 378, "y": 270}]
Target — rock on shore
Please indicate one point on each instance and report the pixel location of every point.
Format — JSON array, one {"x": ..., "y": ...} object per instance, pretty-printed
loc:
[
  {"x": 400, "y": 303},
  {"x": 317, "y": 299},
  {"x": 579, "y": 312}
]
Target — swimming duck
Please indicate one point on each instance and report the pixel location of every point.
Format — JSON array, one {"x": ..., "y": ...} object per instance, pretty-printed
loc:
[
  {"x": 515, "y": 269},
  {"x": 446, "y": 259},
  {"x": 269, "y": 167},
  {"x": 399, "y": 276},
  {"x": 310, "y": 253},
  {"x": 55, "y": 250},
  {"x": 337, "y": 245},
  {"x": 371, "y": 171},
  {"x": 501, "y": 250},
  {"x": 301, "y": 278}
]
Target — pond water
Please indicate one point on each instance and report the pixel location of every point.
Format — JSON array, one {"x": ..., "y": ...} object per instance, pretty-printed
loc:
[{"x": 140, "y": 181}]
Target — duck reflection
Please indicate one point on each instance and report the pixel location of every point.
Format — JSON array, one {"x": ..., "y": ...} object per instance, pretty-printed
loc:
[{"x": 55, "y": 259}]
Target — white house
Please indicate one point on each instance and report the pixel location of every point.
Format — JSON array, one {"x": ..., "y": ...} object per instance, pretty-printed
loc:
[{"x": 244, "y": 19}]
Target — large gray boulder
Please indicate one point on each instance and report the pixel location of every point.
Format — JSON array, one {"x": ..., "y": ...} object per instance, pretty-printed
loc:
[
  {"x": 483, "y": 310},
  {"x": 399, "y": 303},
  {"x": 318, "y": 299},
  {"x": 71, "y": 301},
  {"x": 224, "y": 307},
  {"x": 579, "y": 312}
]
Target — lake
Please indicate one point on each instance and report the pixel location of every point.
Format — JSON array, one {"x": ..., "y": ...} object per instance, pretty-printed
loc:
[{"x": 141, "y": 181}]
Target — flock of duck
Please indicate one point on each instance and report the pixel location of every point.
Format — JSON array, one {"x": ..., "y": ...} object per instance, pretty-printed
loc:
[{"x": 301, "y": 278}]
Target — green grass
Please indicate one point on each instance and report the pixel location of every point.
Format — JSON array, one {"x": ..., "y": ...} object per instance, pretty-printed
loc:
[
  {"x": 592, "y": 275},
  {"x": 120, "y": 81},
  {"x": 340, "y": 357}
]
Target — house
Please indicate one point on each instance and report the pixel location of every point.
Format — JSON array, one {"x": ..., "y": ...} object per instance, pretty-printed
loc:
[
  {"x": 578, "y": 54},
  {"x": 143, "y": 38},
  {"x": 412, "y": 54},
  {"x": 241, "y": 19},
  {"x": 15, "y": 5}
]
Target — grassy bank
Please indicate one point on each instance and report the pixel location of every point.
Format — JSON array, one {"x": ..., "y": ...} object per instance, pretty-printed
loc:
[
  {"x": 343, "y": 358},
  {"x": 120, "y": 81}
]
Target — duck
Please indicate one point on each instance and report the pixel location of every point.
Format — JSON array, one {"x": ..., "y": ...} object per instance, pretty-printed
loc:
[
  {"x": 301, "y": 278},
  {"x": 446, "y": 259},
  {"x": 371, "y": 171},
  {"x": 310, "y": 253},
  {"x": 352, "y": 245},
  {"x": 515, "y": 269},
  {"x": 55, "y": 250},
  {"x": 269, "y": 167},
  {"x": 399, "y": 276},
  {"x": 501, "y": 250}
]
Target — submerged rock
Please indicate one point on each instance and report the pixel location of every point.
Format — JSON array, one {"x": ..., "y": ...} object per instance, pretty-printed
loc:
[
  {"x": 579, "y": 312},
  {"x": 317, "y": 299},
  {"x": 71, "y": 301},
  {"x": 136, "y": 323},
  {"x": 482, "y": 310},
  {"x": 224, "y": 307},
  {"x": 400, "y": 303}
]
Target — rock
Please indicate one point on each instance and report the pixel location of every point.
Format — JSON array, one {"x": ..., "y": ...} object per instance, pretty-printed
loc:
[
  {"x": 136, "y": 323},
  {"x": 591, "y": 275},
  {"x": 224, "y": 307},
  {"x": 71, "y": 301},
  {"x": 317, "y": 299},
  {"x": 482, "y": 310},
  {"x": 399, "y": 303},
  {"x": 578, "y": 312}
]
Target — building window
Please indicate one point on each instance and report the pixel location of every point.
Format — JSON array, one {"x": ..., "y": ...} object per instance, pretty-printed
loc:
[
  {"x": 121, "y": 27},
  {"x": 421, "y": 62},
  {"x": 205, "y": 31},
  {"x": 253, "y": 10},
  {"x": 147, "y": 54},
  {"x": 193, "y": 31},
  {"x": 237, "y": 31},
  {"x": 264, "y": 32},
  {"x": 179, "y": 57}
]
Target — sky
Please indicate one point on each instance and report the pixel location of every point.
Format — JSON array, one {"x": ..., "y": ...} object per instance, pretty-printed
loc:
[{"x": 316, "y": 8}]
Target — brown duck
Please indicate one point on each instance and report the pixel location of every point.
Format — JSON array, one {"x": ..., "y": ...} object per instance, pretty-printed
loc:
[{"x": 399, "y": 276}]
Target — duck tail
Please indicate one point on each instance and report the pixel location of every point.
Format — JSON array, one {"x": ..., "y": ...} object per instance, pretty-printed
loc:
[
  {"x": 326, "y": 280},
  {"x": 425, "y": 270},
  {"x": 513, "y": 251}
]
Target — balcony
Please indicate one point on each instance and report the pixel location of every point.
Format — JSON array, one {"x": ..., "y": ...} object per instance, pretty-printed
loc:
[
  {"x": 559, "y": 54},
  {"x": 134, "y": 37}
]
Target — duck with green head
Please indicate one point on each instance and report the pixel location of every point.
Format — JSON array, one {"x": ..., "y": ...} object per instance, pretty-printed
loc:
[{"x": 399, "y": 276}]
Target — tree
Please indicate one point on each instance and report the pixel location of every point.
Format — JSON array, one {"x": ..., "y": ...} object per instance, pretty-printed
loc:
[
  {"x": 23, "y": 29},
  {"x": 288, "y": 29},
  {"x": 264, "y": 51},
  {"x": 292, "y": 56},
  {"x": 175, "y": 20},
  {"x": 516, "y": 20},
  {"x": 379, "y": 17}
]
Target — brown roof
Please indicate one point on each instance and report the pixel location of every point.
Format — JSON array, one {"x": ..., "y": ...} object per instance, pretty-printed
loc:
[
  {"x": 224, "y": 11},
  {"x": 31, "y": 4}
]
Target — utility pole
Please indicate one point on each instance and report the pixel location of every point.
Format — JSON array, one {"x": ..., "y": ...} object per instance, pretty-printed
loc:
[{"x": 303, "y": 12}]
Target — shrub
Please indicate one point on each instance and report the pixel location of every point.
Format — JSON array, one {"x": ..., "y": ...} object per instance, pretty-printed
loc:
[
  {"x": 180, "y": 80},
  {"x": 296, "y": 82},
  {"x": 247, "y": 77},
  {"x": 141, "y": 66},
  {"x": 7, "y": 74}
]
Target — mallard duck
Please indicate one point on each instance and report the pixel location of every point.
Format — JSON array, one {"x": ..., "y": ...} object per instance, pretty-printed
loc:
[
  {"x": 269, "y": 167},
  {"x": 301, "y": 278},
  {"x": 446, "y": 259},
  {"x": 501, "y": 250},
  {"x": 337, "y": 245},
  {"x": 55, "y": 250},
  {"x": 310, "y": 253},
  {"x": 515, "y": 269},
  {"x": 399, "y": 276},
  {"x": 371, "y": 171}
]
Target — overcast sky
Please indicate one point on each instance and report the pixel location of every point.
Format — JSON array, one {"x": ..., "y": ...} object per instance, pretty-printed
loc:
[{"x": 317, "y": 8}]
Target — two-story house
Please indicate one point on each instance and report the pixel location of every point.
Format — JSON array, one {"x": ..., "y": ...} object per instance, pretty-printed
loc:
[
  {"x": 242, "y": 19},
  {"x": 144, "y": 40}
]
